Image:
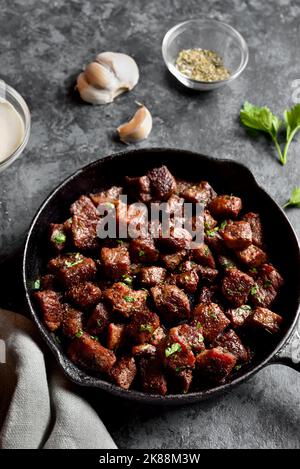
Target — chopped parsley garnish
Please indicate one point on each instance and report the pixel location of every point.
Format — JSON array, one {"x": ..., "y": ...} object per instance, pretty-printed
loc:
[
  {"x": 109, "y": 205},
  {"x": 212, "y": 233},
  {"x": 141, "y": 253},
  {"x": 79, "y": 333},
  {"x": 253, "y": 270},
  {"x": 229, "y": 291},
  {"x": 206, "y": 251},
  {"x": 267, "y": 283},
  {"x": 120, "y": 241},
  {"x": 94, "y": 337},
  {"x": 223, "y": 224},
  {"x": 146, "y": 328},
  {"x": 99, "y": 322},
  {"x": 237, "y": 367},
  {"x": 242, "y": 309},
  {"x": 199, "y": 325},
  {"x": 59, "y": 237},
  {"x": 127, "y": 279},
  {"x": 78, "y": 260},
  {"x": 254, "y": 290},
  {"x": 37, "y": 284},
  {"x": 129, "y": 299},
  {"x": 212, "y": 315},
  {"x": 172, "y": 349}
]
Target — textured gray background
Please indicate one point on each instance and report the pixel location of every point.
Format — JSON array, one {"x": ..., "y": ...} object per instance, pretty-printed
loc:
[{"x": 42, "y": 48}]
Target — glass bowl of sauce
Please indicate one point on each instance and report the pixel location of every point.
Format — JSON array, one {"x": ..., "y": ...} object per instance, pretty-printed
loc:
[
  {"x": 14, "y": 125},
  {"x": 192, "y": 49}
]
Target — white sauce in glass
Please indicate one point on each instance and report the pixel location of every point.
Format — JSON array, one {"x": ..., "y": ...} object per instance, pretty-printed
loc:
[{"x": 11, "y": 129}]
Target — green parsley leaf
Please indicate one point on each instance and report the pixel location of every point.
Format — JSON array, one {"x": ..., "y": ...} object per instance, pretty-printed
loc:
[
  {"x": 127, "y": 279},
  {"x": 267, "y": 283},
  {"x": 78, "y": 260},
  {"x": 254, "y": 290},
  {"x": 37, "y": 284},
  {"x": 292, "y": 121},
  {"x": 223, "y": 224},
  {"x": 172, "y": 349},
  {"x": 129, "y": 299},
  {"x": 146, "y": 328},
  {"x": 141, "y": 253},
  {"x": 119, "y": 241},
  {"x": 79, "y": 333},
  {"x": 59, "y": 237},
  {"x": 99, "y": 322},
  {"x": 199, "y": 325},
  {"x": 294, "y": 200}
]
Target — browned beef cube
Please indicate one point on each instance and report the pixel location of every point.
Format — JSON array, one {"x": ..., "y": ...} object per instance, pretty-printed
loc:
[
  {"x": 226, "y": 262},
  {"x": 124, "y": 300},
  {"x": 239, "y": 315},
  {"x": 237, "y": 235},
  {"x": 182, "y": 381},
  {"x": 270, "y": 276},
  {"x": 230, "y": 341},
  {"x": 187, "y": 280},
  {"x": 139, "y": 188},
  {"x": 48, "y": 282},
  {"x": 175, "y": 239},
  {"x": 157, "y": 336},
  {"x": 88, "y": 353},
  {"x": 215, "y": 364},
  {"x": 141, "y": 326},
  {"x": 58, "y": 236},
  {"x": 72, "y": 268},
  {"x": 263, "y": 318},
  {"x": 201, "y": 193},
  {"x": 172, "y": 261},
  {"x": 84, "y": 233},
  {"x": 151, "y": 276},
  {"x": 171, "y": 302},
  {"x": 262, "y": 294},
  {"x": 115, "y": 261},
  {"x": 143, "y": 350},
  {"x": 110, "y": 195},
  {"x": 225, "y": 206},
  {"x": 84, "y": 295},
  {"x": 203, "y": 255},
  {"x": 215, "y": 241},
  {"x": 99, "y": 319},
  {"x": 209, "y": 222},
  {"x": 207, "y": 274},
  {"x": 163, "y": 184},
  {"x": 72, "y": 322},
  {"x": 51, "y": 307},
  {"x": 84, "y": 208},
  {"x": 123, "y": 372},
  {"x": 236, "y": 286},
  {"x": 175, "y": 353},
  {"x": 175, "y": 206},
  {"x": 143, "y": 250},
  {"x": 252, "y": 256},
  {"x": 152, "y": 378},
  {"x": 207, "y": 294},
  {"x": 115, "y": 335},
  {"x": 256, "y": 227},
  {"x": 189, "y": 335},
  {"x": 211, "y": 318}
]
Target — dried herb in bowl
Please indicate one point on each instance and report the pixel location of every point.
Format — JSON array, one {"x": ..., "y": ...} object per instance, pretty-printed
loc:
[{"x": 201, "y": 65}]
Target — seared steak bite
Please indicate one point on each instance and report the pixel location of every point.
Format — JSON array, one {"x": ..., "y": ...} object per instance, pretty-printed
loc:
[
  {"x": 157, "y": 336},
  {"x": 264, "y": 319},
  {"x": 143, "y": 350},
  {"x": 230, "y": 341},
  {"x": 52, "y": 309},
  {"x": 207, "y": 294},
  {"x": 163, "y": 184},
  {"x": 256, "y": 227},
  {"x": 99, "y": 319},
  {"x": 189, "y": 335},
  {"x": 151, "y": 276},
  {"x": 225, "y": 206},
  {"x": 239, "y": 315},
  {"x": 123, "y": 372},
  {"x": 115, "y": 261},
  {"x": 182, "y": 380},
  {"x": 270, "y": 276},
  {"x": 215, "y": 364},
  {"x": 72, "y": 268},
  {"x": 201, "y": 193},
  {"x": 87, "y": 352},
  {"x": 58, "y": 236},
  {"x": 84, "y": 223},
  {"x": 139, "y": 188},
  {"x": 171, "y": 302},
  {"x": 171, "y": 261},
  {"x": 211, "y": 319},
  {"x": 124, "y": 300},
  {"x": 72, "y": 322},
  {"x": 252, "y": 256},
  {"x": 176, "y": 239},
  {"x": 208, "y": 220},
  {"x": 48, "y": 282},
  {"x": 215, "y": 241},
  {"x": 115, "y": 335},
  {"x": 203, "y": 255},
  {"x": 207, "y": 274},
  {"x": 175, "y": 352},
  {"x": 236, "y": 286},
  {"x": 187, "y": 280},
  {"x": 226, "y": 262},
  {"x": 110, "y": 195},
  {"x": 84, "y": 295},
  {"x": 262, "y": 294},
  {"x": 142, "y": 326},
  {"x": 152, "y": 378},
  {"x": 143, "y": 250},
  {"x": 237, "y": 235}
]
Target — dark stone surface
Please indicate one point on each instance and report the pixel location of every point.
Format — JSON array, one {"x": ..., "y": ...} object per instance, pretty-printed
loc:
[{"x": 43, "y": 47}]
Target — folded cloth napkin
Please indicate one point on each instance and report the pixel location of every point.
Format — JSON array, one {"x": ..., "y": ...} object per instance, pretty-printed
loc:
[{"x": 39, "y": 407}]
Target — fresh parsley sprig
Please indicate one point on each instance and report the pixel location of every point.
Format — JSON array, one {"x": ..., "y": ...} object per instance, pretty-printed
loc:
[{"x": 294, "y": 200}]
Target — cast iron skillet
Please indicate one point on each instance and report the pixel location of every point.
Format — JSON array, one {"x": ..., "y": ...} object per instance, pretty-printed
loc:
[{"x": 226, "y": 176}]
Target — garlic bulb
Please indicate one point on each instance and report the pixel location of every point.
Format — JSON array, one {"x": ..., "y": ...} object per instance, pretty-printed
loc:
[
  {"x": 138, "y": 128},
  {"x": 108, "y": 76}
]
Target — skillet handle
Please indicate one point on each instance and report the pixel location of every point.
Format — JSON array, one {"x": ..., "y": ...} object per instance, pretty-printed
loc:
[{"x": 289, "y": 354}]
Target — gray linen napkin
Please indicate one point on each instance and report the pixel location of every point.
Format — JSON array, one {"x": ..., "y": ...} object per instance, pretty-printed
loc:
[{"x": 39, "y": 407}]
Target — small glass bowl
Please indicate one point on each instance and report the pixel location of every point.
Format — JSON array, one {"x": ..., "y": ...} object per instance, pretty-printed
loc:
[
  {"x": 16, "y": 100},
  {"x": 206, "y": 33}
]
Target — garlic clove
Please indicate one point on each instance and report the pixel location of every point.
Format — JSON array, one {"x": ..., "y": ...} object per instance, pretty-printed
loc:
[
  {"x": 123, "y": 66},
  {"x": 100, "y": 77},
  {"x": 93, "y": 95},
  {"x": 138, "y": 128}
]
